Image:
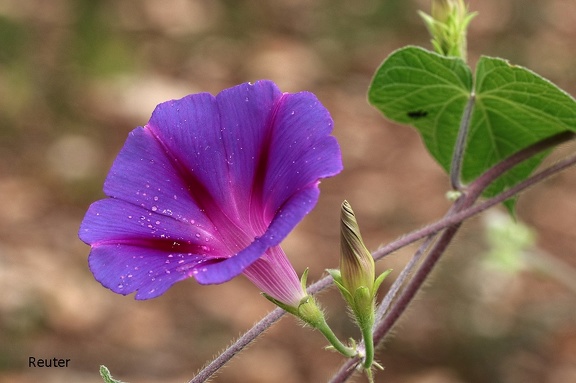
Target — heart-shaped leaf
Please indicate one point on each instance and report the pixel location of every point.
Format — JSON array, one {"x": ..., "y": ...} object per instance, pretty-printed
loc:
[{"x": 514, "y": 108}]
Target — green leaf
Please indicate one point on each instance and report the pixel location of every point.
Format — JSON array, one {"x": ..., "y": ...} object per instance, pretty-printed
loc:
[
  {"x": 514, "y": 108},
  {"x": 428, "y": 91}
]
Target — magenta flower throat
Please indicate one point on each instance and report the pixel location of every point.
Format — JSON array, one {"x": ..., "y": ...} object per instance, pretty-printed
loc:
[{"x": 209, "y": 188}]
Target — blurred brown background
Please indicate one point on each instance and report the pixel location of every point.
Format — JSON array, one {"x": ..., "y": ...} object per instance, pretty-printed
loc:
[{"x": 77, "y": 75}]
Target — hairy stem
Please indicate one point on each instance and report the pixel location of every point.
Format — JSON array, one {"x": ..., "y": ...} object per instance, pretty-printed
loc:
[
  {"x": 462, "y": 205},
  {"x": 458, "y": 156},
  {"x": 238, "y": 346},
  {"x": 368, "y": 345},
  {"x": 478, "y": 186},
  {"x": 450, "y": 220},
  {"x": 402, "y": 277},
  {"x": 415, "y": 283}
]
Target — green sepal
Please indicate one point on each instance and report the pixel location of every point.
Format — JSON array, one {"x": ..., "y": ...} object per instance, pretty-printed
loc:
[
  {"x": 304, "y": 279},
  {"x": 336, "y": 275},
  {"x": 363, "y": 306},
  {"x": 379, "y": 281},
  {"x": 290, "y": 309},
  {"x": 309, "y": 312}
]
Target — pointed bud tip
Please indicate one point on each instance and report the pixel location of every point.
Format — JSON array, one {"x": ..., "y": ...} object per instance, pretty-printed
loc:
[{"x": 356, "y": 261}]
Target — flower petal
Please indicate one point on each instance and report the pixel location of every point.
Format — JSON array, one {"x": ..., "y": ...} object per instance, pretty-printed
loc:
[
  {"x": 221, "y": 142},
  {"x": 148, "y": 176},
  {"x": 111, "y": 221},
  {"x": 274, "y": 275},
  {"x": 286, "y": 219},
  {"x": 303, "y": 150},
  {"x": 134, "y": 249},
  {"x": 125, "y": 269},
  {"x": 247, "y": 114},
  {"x": 300, "y": 152}
]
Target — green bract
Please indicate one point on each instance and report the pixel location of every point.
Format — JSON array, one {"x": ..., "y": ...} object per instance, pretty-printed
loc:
[
  {"x": 447, "y": 25},
  {"x": 514, "y": 108}
]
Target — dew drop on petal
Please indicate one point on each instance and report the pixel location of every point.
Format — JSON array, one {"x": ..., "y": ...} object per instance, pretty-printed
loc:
[{"x": 154, "y": 208}]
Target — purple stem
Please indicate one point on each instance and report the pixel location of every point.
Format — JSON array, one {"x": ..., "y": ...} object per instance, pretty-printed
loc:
[
  {"x": 452, "y": 219},
  {"x": 458, "y": 156},
  {"x": 462, "y": 205}
]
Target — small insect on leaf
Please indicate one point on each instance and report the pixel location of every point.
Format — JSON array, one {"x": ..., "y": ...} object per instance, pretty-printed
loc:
[{"x": 417, "y": 114}]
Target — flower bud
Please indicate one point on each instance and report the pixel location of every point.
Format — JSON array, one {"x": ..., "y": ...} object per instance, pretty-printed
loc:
[
  {"x": 442, "y": 9},
  {"x": 356, "y": 262},
  {"x": 448, "y": 24},
  {"x": 356, "y": 279}
]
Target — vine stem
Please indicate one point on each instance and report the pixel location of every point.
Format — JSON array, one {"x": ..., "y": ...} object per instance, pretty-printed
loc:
[
  {"x": 463, "y": 205},
  {"x": 238, "y": 346},
  {"x": 449, "y": 220},
  {"x": 242, "y": 342},
  {"x": 458, "y": 156},
  {"x": 323, "y": 327}
]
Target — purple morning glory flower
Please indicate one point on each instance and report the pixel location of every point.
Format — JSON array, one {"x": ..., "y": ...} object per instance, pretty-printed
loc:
[{"x": 209, "y": 188}]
